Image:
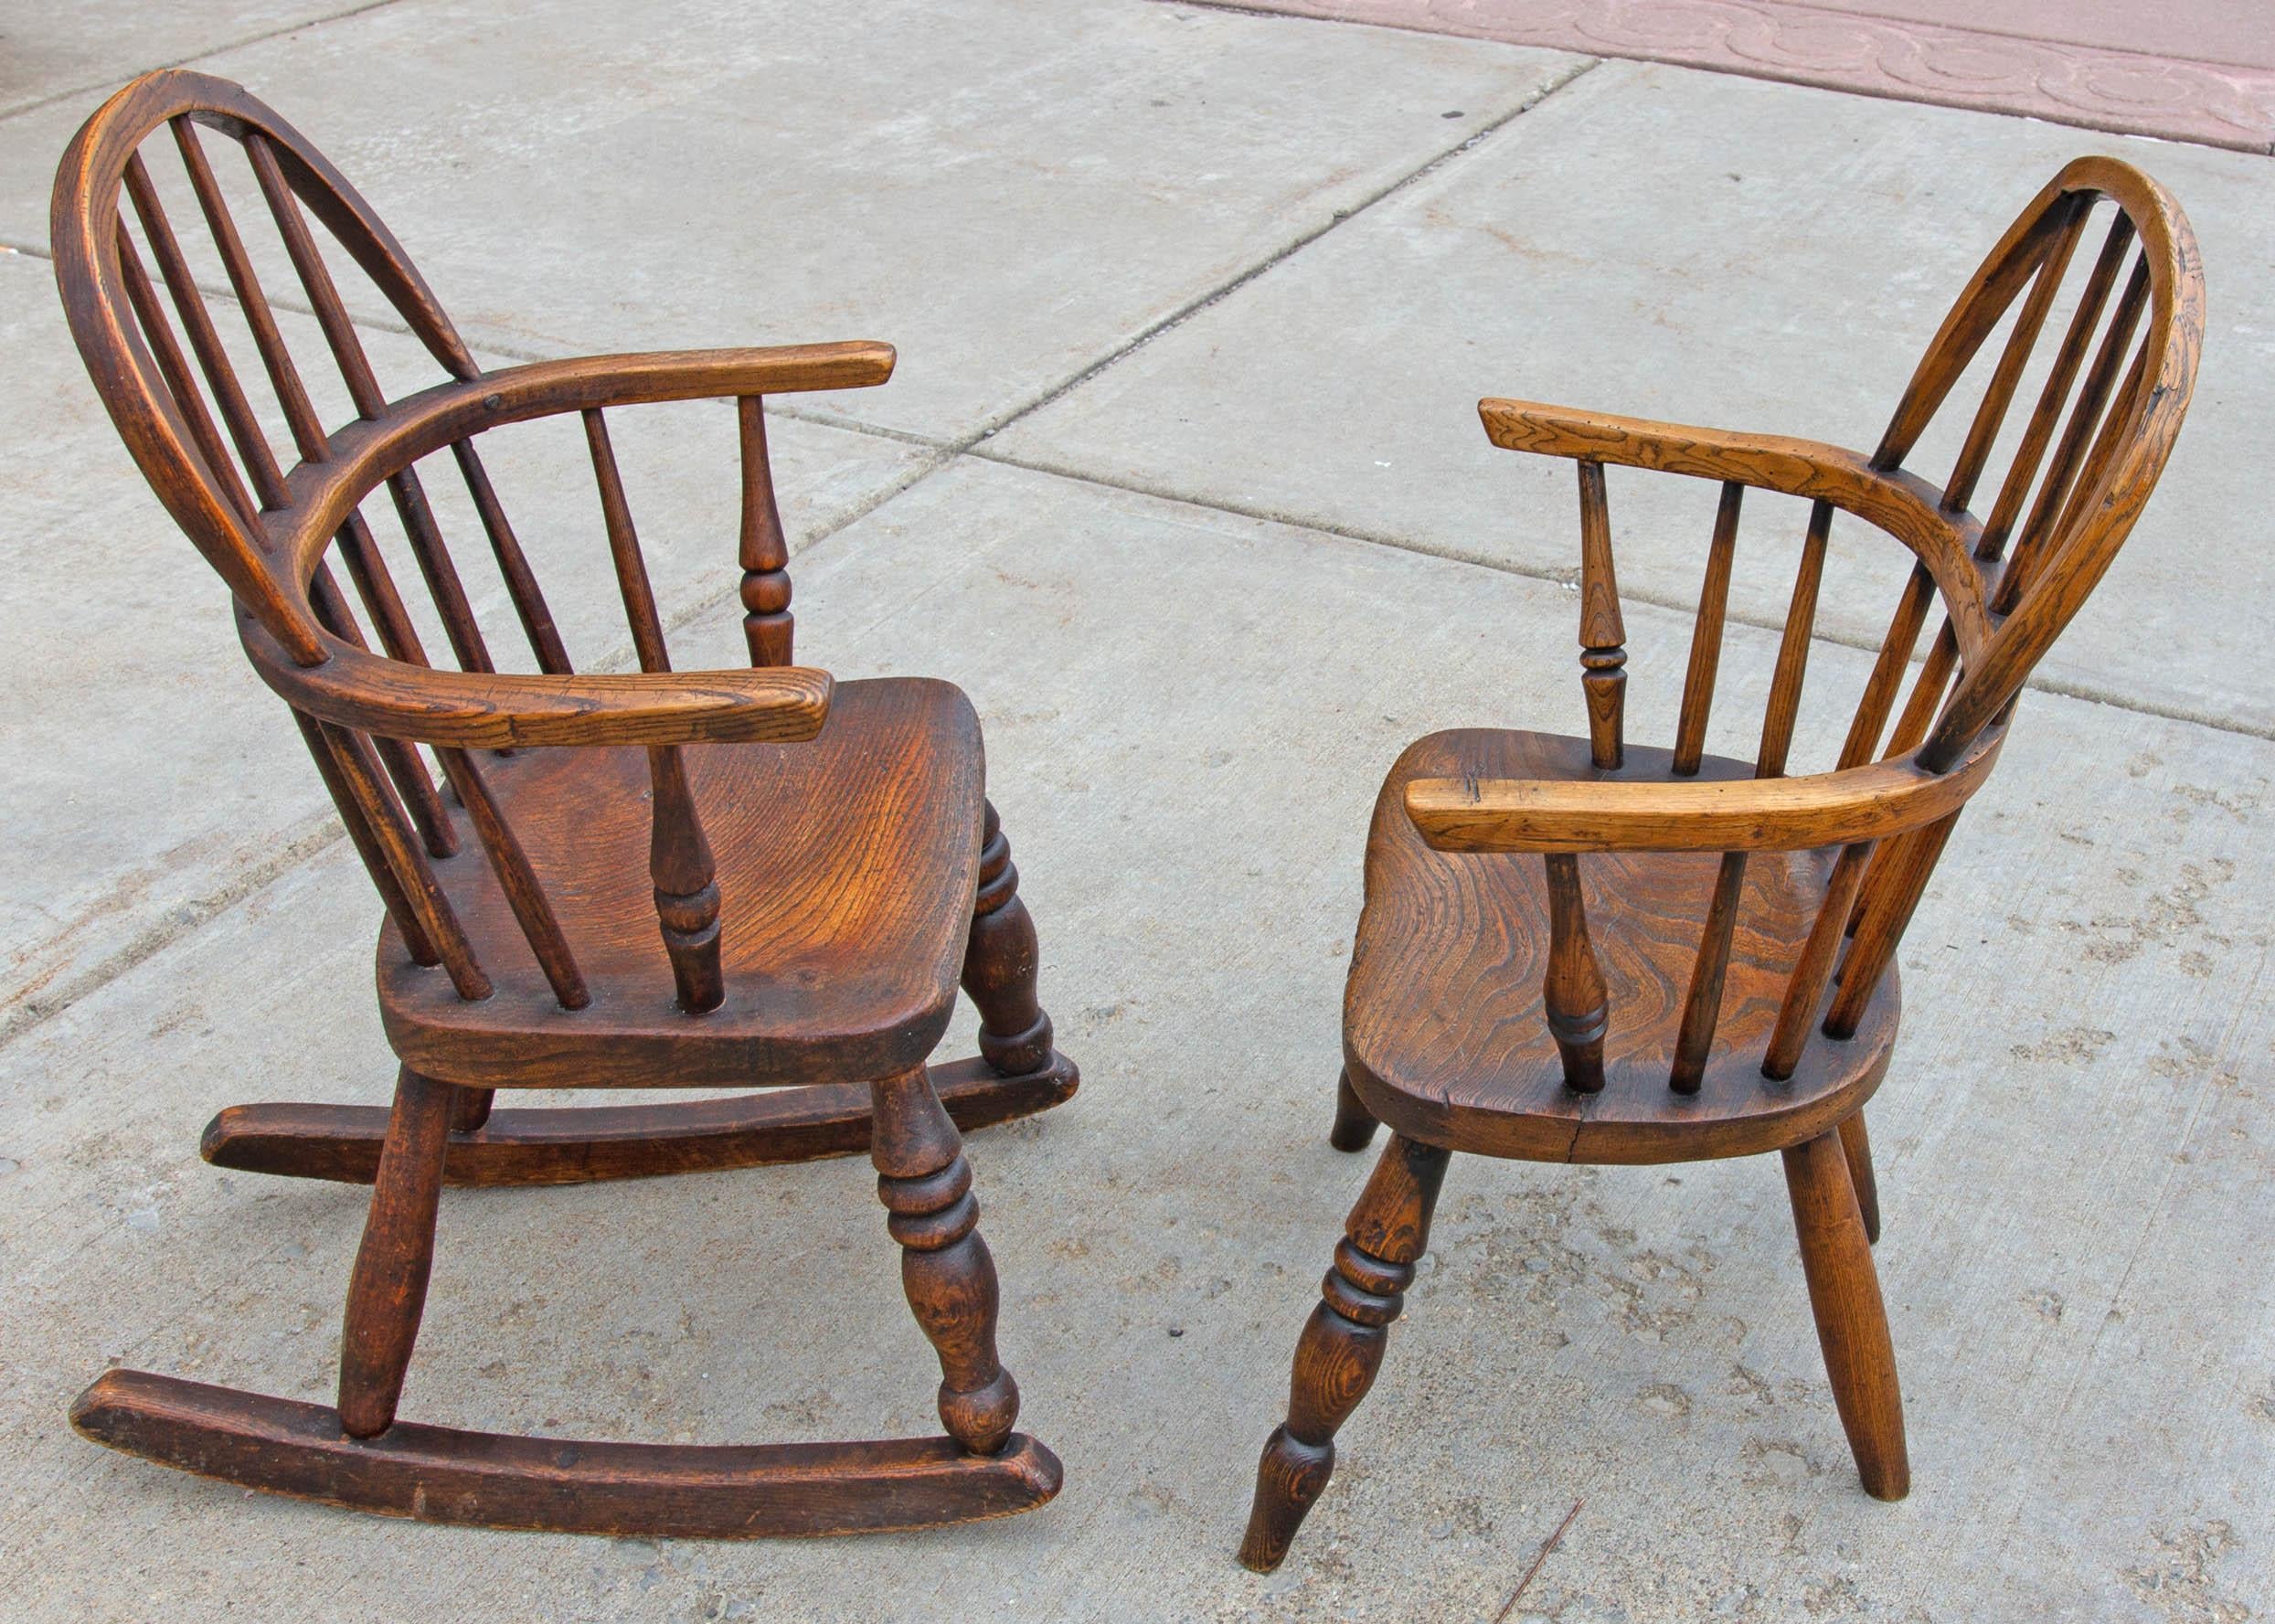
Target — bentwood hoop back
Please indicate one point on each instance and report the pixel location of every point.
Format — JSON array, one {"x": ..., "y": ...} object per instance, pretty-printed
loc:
[
  {"x": 754, "y": 878},
  {"x": 1718, "y": 979}
]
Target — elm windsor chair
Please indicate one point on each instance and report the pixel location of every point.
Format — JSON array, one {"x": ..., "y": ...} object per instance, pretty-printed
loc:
[
  {"x": 711, "y": 879},
  {"x": 1723, "y": 983}
]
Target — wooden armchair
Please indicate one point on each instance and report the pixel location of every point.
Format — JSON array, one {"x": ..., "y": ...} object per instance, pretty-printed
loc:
[
  {"x": 1722, "y": 980},
  {"x": 757, "y": 879}
]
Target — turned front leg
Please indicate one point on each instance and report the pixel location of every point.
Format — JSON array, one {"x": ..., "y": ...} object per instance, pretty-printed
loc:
[
  {"x": 1000, "y": 962},
  {"x": 1341, "y": 1345},
  {"x": 926, "y": 1184}
]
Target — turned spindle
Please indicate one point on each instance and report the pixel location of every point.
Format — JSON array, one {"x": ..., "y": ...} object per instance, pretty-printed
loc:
[
  {"x": 1579, "y": 1011},
  {"x": 1000, "y": 961},
  {"x": 768, "y": 625},
  {"x": 1602, "y": 636},
  {"x": 1341, "y": 1349},
  {"x": 686, "y": 894}
]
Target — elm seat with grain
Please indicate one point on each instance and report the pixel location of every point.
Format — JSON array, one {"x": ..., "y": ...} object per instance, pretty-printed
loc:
[
  {"x": 1443, "y": 1034},
  {"x": 825, "y": 848}
]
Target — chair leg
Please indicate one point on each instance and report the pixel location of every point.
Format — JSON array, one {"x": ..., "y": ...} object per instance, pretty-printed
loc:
[
  {"x": 1852, "y": 1322},
  {"x": 1341, "y": 1345},
  {"x": 1000, "y": 962},
  {"x": 1858, "y": 1149},
  {"x": 1354, "y": 1124},
  {"x": 388, "y": 1291},
  {"x": 926, "y": 1187}
]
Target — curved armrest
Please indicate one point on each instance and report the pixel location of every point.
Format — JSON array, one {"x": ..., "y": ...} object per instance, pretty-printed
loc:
[
  {"x": 1772, "y": 461},
  {"x": 488, "y": 710},
  {"x": 1775, "y": 814},
  {"x": 322, "y": 494}
]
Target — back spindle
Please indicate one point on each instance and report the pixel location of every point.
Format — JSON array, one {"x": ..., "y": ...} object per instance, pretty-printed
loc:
[
  {"x": 1603, "y": 639},
  {"x": 1702, "y": 1005},
  {"x": 2038, "y": 433},
  {"x": 686, "y": 888},
  {"x": 443, "y": 585},
  {"x": 767, "y": 623},
  {"x": 1959, "y": 490},
  {"x": 679, "y": 855},
  {"x": 1706, "y": 637}
]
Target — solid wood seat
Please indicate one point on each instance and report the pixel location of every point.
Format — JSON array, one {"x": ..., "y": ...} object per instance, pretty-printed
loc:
[
  {"x": 1588, "y": 951},
  {"x": 1444, "y": 1034},
  {"x": 868, "y": 833},
  {"x": 755, "y": 877}
]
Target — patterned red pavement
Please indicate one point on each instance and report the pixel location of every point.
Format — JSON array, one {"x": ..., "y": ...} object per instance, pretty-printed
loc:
[{"x": 2197, "y": 71}]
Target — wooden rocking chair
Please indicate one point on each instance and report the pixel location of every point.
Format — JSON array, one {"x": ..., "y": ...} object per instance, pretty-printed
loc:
[
  {"x": 722, "y": 879},
  {"x": 1724, "y": 982}
]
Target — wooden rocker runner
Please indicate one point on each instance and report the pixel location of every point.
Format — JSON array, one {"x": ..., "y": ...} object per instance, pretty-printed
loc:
[
  {"x": 1718, "y": 978},
  {"x": 751, "y": 878}
]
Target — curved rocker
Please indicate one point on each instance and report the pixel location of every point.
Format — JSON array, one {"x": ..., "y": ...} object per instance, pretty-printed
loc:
[
  {"x": 583, "y": 1144},
  {"x": 441, "y": 1474}
]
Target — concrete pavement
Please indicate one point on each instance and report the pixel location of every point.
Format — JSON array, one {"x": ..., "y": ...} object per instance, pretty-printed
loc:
[{"x": 1181, "y": 479}]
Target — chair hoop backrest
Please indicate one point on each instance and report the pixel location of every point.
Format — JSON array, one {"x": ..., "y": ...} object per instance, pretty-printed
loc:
[
  {"x": 130, "y": 347},
  {"x": 2065, "y": 517}
]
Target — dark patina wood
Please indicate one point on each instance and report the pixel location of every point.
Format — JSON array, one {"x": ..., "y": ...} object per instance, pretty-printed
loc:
[
  {"x": 753, "y": 878},
  {"x": 1583, "y": 949}
]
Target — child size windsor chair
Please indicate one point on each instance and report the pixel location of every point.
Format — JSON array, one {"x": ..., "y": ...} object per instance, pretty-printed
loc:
[
  {"x": 1719, "y": 979},
  {"x": 751, "y": 878}
]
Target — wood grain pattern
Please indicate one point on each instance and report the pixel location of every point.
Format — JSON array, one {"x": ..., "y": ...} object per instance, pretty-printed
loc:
[
  {"x": 568, "y": 921},
  {"x": 440, "y": 1474},
  {"x": 1444, "y": 1034},
  {"x": 1702, "y": 962},
  {"x": 581, "y": 1144},
  {"x": 813, "y": 844}
]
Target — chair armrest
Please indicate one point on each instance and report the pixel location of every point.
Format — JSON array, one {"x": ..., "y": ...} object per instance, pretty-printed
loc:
[
  {"x": 489, "y": 710},
  {"x": 1772, "y": 462},
  {"x": 1775, "y": 814}
]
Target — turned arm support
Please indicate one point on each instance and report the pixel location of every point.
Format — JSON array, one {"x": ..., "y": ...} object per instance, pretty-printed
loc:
[{"x": 1870, "y": 803}]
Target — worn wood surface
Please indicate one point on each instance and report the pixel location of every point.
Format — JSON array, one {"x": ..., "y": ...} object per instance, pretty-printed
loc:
[
  {"x": 440, "y": 1474},
  {"x": 1445, "y": 1035},
  {"x": 581, "y": 1144},
  {"x": 1584, "y": 950},
  {"x": 814, "y": 844},
  {"x": 748, "y": 878}
]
